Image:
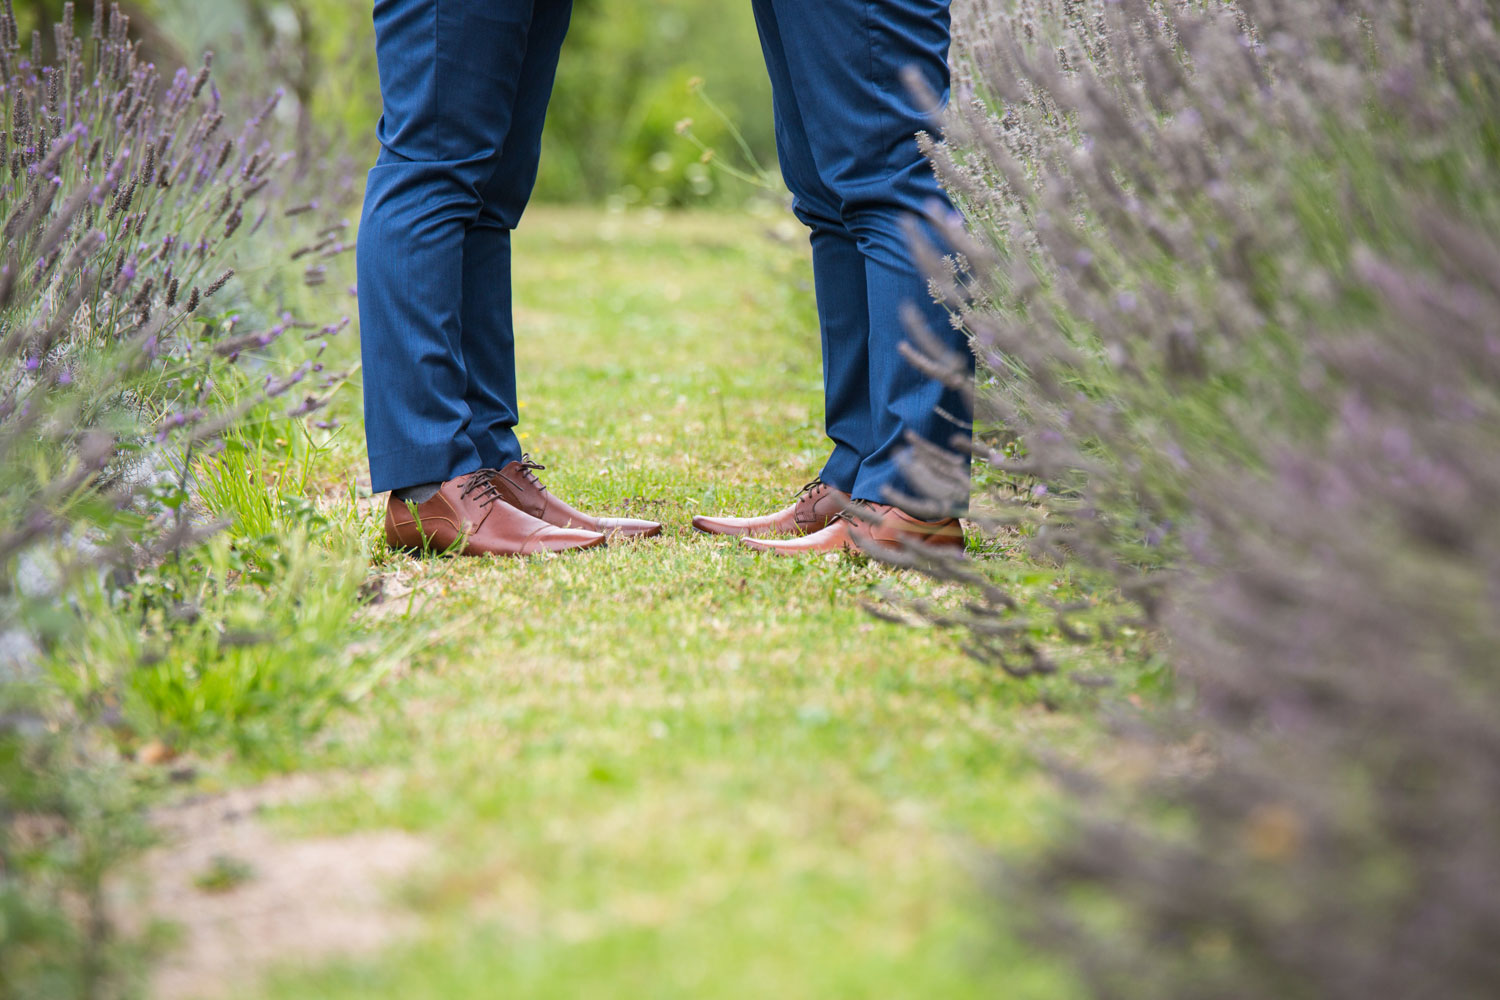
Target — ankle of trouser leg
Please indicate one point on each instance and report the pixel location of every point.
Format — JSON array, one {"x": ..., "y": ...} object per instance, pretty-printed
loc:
[
  {"x": 839, "y": 474},
  {"x": 412, "y": 466},
  {"x": 417, "y": 494}
]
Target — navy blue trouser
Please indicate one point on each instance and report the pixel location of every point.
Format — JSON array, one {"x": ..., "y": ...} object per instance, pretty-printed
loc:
[
  {"x": 465, "y": 85},
  {"x": 846, "y": 126}
]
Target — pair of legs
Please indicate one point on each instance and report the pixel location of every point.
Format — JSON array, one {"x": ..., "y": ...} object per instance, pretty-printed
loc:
[
  {"x": 465, "y": 86},
  {"x": 846, "y": 126}
]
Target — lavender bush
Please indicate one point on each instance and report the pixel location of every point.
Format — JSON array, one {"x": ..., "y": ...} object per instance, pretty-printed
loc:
[
  {"x": 1233, "y": 273},
  {"x": 124, "y": 199},
  {"x": 124, "y": 196}
]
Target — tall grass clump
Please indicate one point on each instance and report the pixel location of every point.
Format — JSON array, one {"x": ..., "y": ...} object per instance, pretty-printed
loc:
[{"x": 1233, "y": 272}]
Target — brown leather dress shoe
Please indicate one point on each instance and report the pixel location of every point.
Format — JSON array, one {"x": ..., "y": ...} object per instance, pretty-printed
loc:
[
  {"x": 817, "y": 506},
  {"x": 470, "y": 517},
  {"x": 520, "y": 488},
  {"x": 871, "y": 525}
]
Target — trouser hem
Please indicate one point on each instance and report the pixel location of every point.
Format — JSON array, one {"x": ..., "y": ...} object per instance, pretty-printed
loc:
[{"x": 396, "y": 470}]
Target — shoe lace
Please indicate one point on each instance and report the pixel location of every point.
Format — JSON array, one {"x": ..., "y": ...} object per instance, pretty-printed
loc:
[
  {"x": 482, "y": 485},
  {"x": 530, "y": 468},
  {"x": 855, "y": 512},
  {"x": 804, "y": 491}
]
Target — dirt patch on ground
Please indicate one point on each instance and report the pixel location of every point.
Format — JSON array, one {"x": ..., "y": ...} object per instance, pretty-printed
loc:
[
  {"x": 246, "y": 899},
  {"x": 391, "y": 593}
]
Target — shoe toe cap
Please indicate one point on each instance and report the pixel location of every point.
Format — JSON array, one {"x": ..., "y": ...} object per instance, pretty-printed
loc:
[
  {"x": 834, "y": 538},
  {"x": 735, "y": 526},
  {"x": 629, "y": 527}
]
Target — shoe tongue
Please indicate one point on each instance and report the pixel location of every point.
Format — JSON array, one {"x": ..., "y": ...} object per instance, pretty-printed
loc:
[{"x": 491, "y": 477}]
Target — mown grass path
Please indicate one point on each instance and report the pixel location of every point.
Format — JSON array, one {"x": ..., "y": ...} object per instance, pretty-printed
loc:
[{"x": 676, "y": 768}]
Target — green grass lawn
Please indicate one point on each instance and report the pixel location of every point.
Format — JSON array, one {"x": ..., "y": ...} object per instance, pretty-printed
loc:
[{"x": 676, "y": 768}]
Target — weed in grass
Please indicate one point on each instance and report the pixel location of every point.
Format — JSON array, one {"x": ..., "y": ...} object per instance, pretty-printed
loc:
[{"x": 224, "y": 874}]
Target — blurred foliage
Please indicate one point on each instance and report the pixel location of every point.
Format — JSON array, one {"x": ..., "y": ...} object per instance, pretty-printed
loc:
[
  {"x": 67, "y": 818},
  {"x": 624, "y": 86},
  {"x": 1232, "y": 274},
  {"x": 136, "y": 567}
]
